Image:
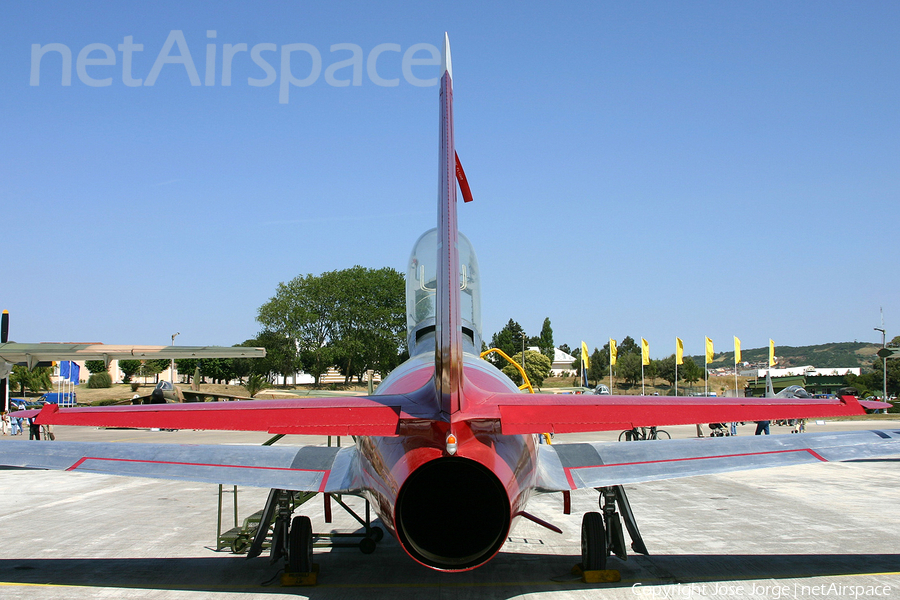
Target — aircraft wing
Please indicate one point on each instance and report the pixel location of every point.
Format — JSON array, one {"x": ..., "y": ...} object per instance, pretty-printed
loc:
[
  {"x": 32, "y": 354},
  {"x": 300, "y": 468},
  {"x": 596, "y": 464},
  {"x": 539, "y": 413}
]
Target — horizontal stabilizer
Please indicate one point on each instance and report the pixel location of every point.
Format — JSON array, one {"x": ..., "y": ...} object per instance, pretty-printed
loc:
[
  {"x": 357, "y": 415},
  {"x": 549, "y": 413}
]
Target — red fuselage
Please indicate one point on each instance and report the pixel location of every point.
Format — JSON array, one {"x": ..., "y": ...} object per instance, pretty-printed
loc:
[{"x": 450, "y": 512}]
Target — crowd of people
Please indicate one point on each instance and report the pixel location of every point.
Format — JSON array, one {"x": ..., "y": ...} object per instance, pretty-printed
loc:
[{"x": 12, "y": 425}]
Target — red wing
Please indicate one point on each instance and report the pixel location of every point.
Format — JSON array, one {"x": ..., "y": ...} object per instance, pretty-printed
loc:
[{"x": 538, "y": 413}]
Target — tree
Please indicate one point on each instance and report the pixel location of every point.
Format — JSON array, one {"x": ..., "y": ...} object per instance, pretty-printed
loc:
[
  {"x": 651, "y": 371},
  {"x": 36, "y": 380},
  {"x": 628, "y": 346},
  {"x": 628, "y": 367},
  {"x": 509, "y": 340},
  {"x": 667, "y": 370},
  {"x": 217, "y": 369},
  {"x": 186, "y": 366},
  {"x": 354, "y": 318},
  {"x": 151, "y": 368},
  {"x": 129, "y": 369},
  {"x": 545, "y": 341},
  {"x": 255, "y": 384},
  {"x": 690, "y": 371},
  {"x": 370, "y": 320},
  {"x": 537, "y": 368},
  {"x": 599, "y": 367},
  {"x": 95, "y": 366}
]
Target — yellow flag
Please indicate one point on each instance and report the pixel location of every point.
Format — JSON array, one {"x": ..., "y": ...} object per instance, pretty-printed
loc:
[
  {"x": 771, "y": 353},
  {"x": 709, "y": 350},
  {"x": 679, "y": 351},
  {"x": 613, "y": 353},
  {"x": 737, "y": 350},
  {"x": 645, "y": 352},
  {"x": 585, "y": 357}
]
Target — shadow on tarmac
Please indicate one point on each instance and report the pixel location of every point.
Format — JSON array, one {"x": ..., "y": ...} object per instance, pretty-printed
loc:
[{"x": 392, "y": 574}]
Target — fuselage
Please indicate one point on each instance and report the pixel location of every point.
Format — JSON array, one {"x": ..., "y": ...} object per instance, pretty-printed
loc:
[{"x": 450, "y": 511}]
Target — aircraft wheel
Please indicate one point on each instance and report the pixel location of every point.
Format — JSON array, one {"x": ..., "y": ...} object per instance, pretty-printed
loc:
[
  {"x": 593, "y": 542},
  {"x": 240, "y": 544},
  {"x": 300, "y": 550},
  {"x": 367, "y": 545},
  {"x": 376, "y": 533}
]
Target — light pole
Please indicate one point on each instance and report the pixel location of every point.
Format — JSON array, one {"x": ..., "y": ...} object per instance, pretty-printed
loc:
[
  {"x": 883, "y": 365},
  {"x": 172, "y": 361}
]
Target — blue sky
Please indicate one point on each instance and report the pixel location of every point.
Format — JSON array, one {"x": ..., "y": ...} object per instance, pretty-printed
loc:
[{"x": 652, "y": 169}]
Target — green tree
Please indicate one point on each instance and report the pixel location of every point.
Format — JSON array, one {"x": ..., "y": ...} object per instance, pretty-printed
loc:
[
  {"x": 37, "y": 380},
  {"x": 537, "y": 368},
  {"x": 95, "y": 366},
  {"x": 651, "y": 371},
  {"x": 129, "y": 369},
  {"x": 255, "y": 384},
  {"x": 666, "y": 370},
  {"x": 545, "y": 341},
  {"x": 690, "y": 371},
  {"x": 599, "y": 368},
  {"x": 354, "y": 318},
  {"x": 370, "y": 320},
  {"x": 153, "y": 367},
  {"x": 186, "y": 366},
  {"x": 628, "y": 367},
  {"x": 628, "y": 346},
  {"x": 509, "y": 340},
  {"x": 217, "y": 369}
]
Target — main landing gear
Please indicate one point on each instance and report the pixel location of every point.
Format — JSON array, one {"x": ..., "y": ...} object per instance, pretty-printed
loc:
[
  {"x": 292, "y": 538},
  {"x": 602, "y": 534}
]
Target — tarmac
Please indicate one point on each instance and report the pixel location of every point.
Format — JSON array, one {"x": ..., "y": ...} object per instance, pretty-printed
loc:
[{"x": 813, "y": 532}]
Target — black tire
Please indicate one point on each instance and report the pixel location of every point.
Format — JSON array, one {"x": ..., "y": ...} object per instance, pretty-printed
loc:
[
  {"x": 240, "y": 544},
  {"x": 628, "y": 436},
  {"x": 662, "y": 434},
  {"x": 367, "y": 545},
  {"x": 593, "y": 542},
  {"x": 376, "y": 533},
  {"x": 300, "y": 546}
]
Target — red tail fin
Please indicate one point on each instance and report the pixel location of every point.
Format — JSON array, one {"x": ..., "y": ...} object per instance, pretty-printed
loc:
[{"x": 448, "y": 324}]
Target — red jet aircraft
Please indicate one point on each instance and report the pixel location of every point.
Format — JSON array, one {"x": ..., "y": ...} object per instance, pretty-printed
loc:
[{"x": 448, "y": 451}]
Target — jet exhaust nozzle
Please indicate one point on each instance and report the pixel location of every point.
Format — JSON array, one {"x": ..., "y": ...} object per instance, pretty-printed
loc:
[{"x": 452, "y": 514}]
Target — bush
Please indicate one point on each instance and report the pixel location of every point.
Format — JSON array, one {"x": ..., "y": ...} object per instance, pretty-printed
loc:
[{"x": 99, "y": 380}]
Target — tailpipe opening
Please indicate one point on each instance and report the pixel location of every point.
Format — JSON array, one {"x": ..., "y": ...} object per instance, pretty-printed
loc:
[{"x": 452, "y": 514}]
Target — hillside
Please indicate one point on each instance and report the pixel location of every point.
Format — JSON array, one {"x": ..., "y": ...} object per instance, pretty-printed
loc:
[{"x": 835, "y": 354}]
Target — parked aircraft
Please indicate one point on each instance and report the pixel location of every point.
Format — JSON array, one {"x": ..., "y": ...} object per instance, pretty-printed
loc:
[
  {"x": 34, "y": 355},
  {"x": 447, "y": 451}
]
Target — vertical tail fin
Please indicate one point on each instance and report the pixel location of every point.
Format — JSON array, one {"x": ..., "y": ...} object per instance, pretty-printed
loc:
[{"x": 448, "y": 325}]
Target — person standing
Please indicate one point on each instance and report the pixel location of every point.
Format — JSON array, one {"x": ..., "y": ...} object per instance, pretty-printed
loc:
[
  {"x": 4, "y": 423},
  {"x": 762, "y": 427},
  {"x": 34, "y": 430}
]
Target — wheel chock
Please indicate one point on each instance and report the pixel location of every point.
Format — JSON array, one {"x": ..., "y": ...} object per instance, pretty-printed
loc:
[
  {"x": 600, "y": 576},
  {"x": 300, "y": 579}
]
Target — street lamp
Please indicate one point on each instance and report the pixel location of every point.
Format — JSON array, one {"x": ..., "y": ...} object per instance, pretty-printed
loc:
[
  {"x": 883, "y": 364},
  {"x": 172, "y": 361}
]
